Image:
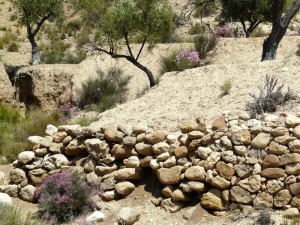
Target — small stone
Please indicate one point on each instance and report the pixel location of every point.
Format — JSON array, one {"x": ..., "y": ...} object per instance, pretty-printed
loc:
[
  {"x": 169, "y": 176},
  {"x": 26, "y": 156},
  {"x": 243, "y": 170},
  {"x": 224, "y": 170},
  {"x": 261, "y": 141},
  {"x": 289, "y": 159},
  {"x": 124, "y": 188},
  {"x": 156, "y": 137},
  {"x": 273, "y": 186},
  {"x": 5, "y": 200},
  {"x": 144, "y": 149},
  {"x": 252, "y": 183},
  {"x": 204, "y": 152},
  {"x": 195, "y": 135},
  {"x": 290, "y": 213},
  {"x": 213, "y": 200},
  {"x": 128, "y": 216},
  {"x": 240, "y": 195},
  {"x": 96, "y": 148},
  {"x": 131, "y": 141},
  {"x": 220, "y": 182},
  {"x": 59, "y": 137},
  {"x": 195, "y": 173},
  {"x": 284, "y": 140},
  {"x": 111, "y": 133},
  {"x": 219, "y": 123},
  {"x": 27, "y": 193},
  {"x": 295, "y": 188},
  {"x": 273, "y": 173},
  {"x": 270, "y": 161},
  {"x": 282, "y": 198},
  {"x": 95, "y": 217},
  {"x": 240, "y": 150},
  {"x": 171, "y": 206},
  {"x": 51, "y": 130},
  {"x": 129, "y": 174},
  {"x": 160, "y": 148},
  {"x": 139, "y": 128},
  {"x": 16, "y": 176},
  {"x": 263, "y": 199},
  {"x": 181, "y": 152}
]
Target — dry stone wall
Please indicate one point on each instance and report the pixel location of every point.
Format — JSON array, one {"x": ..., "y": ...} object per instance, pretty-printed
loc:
[{"x": 235, "y": 160}]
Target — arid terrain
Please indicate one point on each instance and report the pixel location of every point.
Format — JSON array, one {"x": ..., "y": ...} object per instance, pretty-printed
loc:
[{"x": 179, "y": 97}]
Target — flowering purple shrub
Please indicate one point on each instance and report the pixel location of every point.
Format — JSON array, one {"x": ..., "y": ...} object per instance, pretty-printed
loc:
[
  {"x": 187, "y": 59},
  {"x": 64, "y": 195},
  {"x": 224, "y": 31}
]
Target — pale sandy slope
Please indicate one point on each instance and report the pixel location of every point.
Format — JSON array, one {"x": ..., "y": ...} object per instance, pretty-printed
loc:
[{"x": 195, "y": 93}]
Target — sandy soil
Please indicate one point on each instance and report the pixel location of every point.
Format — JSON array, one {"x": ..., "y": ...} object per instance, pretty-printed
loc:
[{"x": 196, "y": 93}]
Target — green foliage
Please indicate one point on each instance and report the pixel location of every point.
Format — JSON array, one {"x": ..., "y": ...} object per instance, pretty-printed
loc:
[
  {"x": 32, "y": 12},
  {"x": 196, "y": 28},
  {"x": 168, "y": 62},
  {"x": 246, "y": 11},
  {"x": 7, "y": 38},
  {"x": 13, "y": 47},
  {"x": 104, "y": 91},
  {"x": 15, "y": 130},
  {"x": 64, "y": 195},
  {"x": 259, "y": 32},
  {"x": 226, "y": 87},
  {"x": 205, "y": 43},
  {"x": 12, "y": 216},
  {"x": 84, "y": 120},
  {"x": 147, "y": 18}
]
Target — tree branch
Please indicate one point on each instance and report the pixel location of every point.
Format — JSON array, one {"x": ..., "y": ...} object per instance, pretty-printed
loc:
[
  {"x": 127, "y": 44},
  {"x": 140, "y": 51},
  {"x": 39, "y": 24}
]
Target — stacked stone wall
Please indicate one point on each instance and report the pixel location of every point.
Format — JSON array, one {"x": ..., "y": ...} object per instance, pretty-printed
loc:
[{"x": 235, "y": 160}]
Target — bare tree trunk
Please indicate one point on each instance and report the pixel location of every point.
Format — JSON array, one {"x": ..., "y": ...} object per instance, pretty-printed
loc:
[
  {"x": 147, "y": 71},
  {"x": 279, "y": 26},
  {"x": 35, "y": 52}
]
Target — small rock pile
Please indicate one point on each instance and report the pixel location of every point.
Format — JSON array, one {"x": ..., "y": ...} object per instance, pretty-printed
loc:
[{"x": 236, "y": 160}]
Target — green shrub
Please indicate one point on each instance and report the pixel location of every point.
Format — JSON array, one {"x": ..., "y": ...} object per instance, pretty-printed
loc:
[
  {"x": 14, "y": 134},
  {"x": 76, "y": 57},
  {"x": 105, "y": 91},
  {"x": 12, "y": 216},
  {"x": 259, "y": 32},
  {"x": 84, "y": 120},
  {"x": 168, "y": 62},
  {"x": 196, "y": 28},
  {"x": 179, "y": 60},
  {"x": 13, "y": 47},
  {"x": 82, "y": 38},
  {"x": 73, "y": 26},
  {"x": 226, "y": 87},
  {"x": 64, "y": 195},
  {"x": 205, "y": 43},
  {"x": 8, "y": 114},
  {"x": 7, "y": 38}
]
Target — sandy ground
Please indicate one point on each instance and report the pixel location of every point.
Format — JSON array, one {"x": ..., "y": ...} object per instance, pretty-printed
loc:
[{"x": 184, "y": 96}]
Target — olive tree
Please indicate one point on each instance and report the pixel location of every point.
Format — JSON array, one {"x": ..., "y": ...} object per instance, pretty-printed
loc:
[
  {"x": 32, "y": 15},
  {"x": 122, "y": 22},
  {"x": 280, "y": 23},
  {"x": 250, "y": 13}
]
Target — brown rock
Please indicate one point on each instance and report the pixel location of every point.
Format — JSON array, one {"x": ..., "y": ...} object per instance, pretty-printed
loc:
[
  {"x": 191, "y": 126},
  {"x": 273, "y": 186},
  {"x": 290, "y": 213},
  {"x": 171, "y": 206},
  {"x": 111, "y": 133},
  {"x": 196, "y": 173},
  {"x": 124, "y": 188},
  {"x": 279, "y": 131},
  {"x": 270, "y": 161},
  {"x": 261, "y": 141},
  {"x": 289, "y": 159},
  {"x": 213, "y": 200},
  {"x": 284, "y": 140},
  {"x": 293, "y": 169},
  {"x": 144, "y": 149},
  {"x": 242, "y": 137},
  {"x": 243, "y": 170},
  {"x": 169, "y": 175},
  {"x": 156, "y": 137},
  {"x": 128, "y": 174},
  {"x": 181, "y": 152},
  {"x": 224, "y": 170},
  {"x": 295, "y": 146},
  {"x": 263, "y": 199},
  {"x": 273, "y": 173},
  {"x": 195, "y": 135},
  {"x": 277, "y": 149},
  {"x": 296, "y": 201},
  {"x": 296, "y": 132},
  {"x": 282, "y": 198},
  {"x": 59, "y": 137},
  {"x": 220, "y": 182},
  {"x": 252, "y": 183},
  {"x": 160, "y": 148},
  {"x": 295, "y": 188},
  {"x": 240, "y": 195},
  {"x": 219, "y": 123}
]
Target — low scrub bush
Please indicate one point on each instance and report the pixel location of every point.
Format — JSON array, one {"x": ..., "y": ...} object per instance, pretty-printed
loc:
[
  {"x": 259, "y": 32},
  {"x": 103, "y": 92},
  {"x": 226, "y": 87},
  {"x": 64, "y": 195},
  {"x": 7, "y": 38},
  {"x": 179, "y": 60},
  {"x": 225, "y": 31},
  {"x": 15, "y": 130},
  {"x": 13, "y": 47},
  {"x": 270, "y": 96},
  {"x": 196, "y": 28},
  {"x": 205, "y": 43},
  {"x": 12, "y": 216}
]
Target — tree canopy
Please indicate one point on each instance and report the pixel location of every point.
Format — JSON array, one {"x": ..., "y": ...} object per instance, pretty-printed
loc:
[
  {"x": 32, "y": 15},
  {"x": 121, "y": 23}
]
